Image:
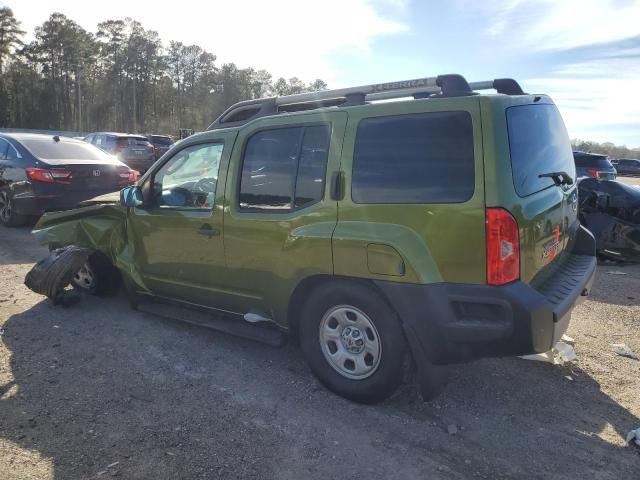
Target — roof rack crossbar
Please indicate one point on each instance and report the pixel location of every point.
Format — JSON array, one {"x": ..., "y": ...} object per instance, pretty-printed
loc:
[{"x": 508, "y": 86}]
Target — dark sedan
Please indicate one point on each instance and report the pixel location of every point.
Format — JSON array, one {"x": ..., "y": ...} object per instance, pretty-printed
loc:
[{"x": 41, "y": 173}]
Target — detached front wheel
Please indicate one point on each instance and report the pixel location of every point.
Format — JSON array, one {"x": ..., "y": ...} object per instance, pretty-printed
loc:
[{"x": 353, "y": 341}]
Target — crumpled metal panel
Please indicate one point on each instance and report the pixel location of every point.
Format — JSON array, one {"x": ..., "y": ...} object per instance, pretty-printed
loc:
[
  {"x": 611, "y": 211},
  {"x": 97, "y": 227}
]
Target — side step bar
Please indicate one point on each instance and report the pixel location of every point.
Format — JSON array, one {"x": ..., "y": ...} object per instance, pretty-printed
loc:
[{"x": 262, "y": 332}]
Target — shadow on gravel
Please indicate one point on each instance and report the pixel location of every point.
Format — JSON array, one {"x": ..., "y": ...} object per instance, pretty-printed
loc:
[
  {"x": 22, "y": 248},
  {"x": 99, "y": 384}
]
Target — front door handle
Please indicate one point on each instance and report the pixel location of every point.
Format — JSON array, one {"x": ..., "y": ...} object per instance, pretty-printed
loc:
[{"x": 208, "y": 231}]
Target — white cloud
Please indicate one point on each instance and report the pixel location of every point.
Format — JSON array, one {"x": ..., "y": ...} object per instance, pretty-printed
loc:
[
  {"x": 593, "y": 103},
  {"x": 557, "y": 25},
  {"x": 286, "y": 37}
]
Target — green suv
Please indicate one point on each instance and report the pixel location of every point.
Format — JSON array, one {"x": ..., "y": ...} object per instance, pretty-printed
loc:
[{"x": 410, "y": 223}]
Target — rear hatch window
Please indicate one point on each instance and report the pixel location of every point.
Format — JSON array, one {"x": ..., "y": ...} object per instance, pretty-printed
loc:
[
  {"x": 48, "y": 149},
  {"x": 133, "y": 141},
  {"x": 592, "y": 161},
  {"x": 161, "y": 140},
  {"x": 539, "y": 144}
]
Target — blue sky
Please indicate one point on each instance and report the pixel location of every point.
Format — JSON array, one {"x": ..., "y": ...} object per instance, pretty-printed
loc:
[{"x": 585, "y": 54}]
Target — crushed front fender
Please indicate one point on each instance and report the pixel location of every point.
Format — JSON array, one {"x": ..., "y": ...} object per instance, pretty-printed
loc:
[{"x": 96, "y": 227}]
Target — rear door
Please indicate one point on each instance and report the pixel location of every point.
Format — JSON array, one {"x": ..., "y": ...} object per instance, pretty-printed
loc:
[
  {"x": 280, "y": 216},
  {"x": 413, "y": 205},
  {"x": 547, "y": 214}
]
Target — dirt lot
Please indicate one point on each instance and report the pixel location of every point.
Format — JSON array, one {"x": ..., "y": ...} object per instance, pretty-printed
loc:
[{"x": 99, "y": 390}]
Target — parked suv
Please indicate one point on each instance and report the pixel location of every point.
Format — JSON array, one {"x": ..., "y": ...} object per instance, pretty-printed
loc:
[
  {"x": 594, "y": 166},
  {"x": 161, "y": 143},
  {"x": 628, "y": 166},
  {"x": 134, "y": 150},
  {"x": 435, "y": 229}
]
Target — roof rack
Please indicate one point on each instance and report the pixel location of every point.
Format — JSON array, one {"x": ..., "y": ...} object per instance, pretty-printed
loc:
[{"x": 450, "y": 85}]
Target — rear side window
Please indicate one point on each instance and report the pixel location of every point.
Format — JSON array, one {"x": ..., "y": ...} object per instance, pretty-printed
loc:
[
  {"x": 284, "y": 169},
  {"x": 539, "y": 144},
  {"x": 421, "y": 158}
]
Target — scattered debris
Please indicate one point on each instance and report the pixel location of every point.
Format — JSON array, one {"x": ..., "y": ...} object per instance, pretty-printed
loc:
[
  {"x": 616, "y": 272},
  {"x": 560, "y": 354},
  {"x": 567, "y": 339},
  {"x": 633, "y": 437},
  {"x": 452, "y": 429},
  {"x": 624, "y": 351},
  {"x": 51, "y": 275},
  {"x": 112, "y": 464}
]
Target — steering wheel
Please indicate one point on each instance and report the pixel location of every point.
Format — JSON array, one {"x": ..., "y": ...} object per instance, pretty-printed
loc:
[{"x": 205, "y": 185}]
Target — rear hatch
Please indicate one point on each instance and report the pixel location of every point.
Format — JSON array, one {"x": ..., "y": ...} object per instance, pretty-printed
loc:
[
  {"x": 132, "y": 148},
  {"x": 544, "y": 207}
]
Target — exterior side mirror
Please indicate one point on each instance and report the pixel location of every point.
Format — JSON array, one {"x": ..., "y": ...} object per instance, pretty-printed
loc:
[{"x": 131, "y": 196}]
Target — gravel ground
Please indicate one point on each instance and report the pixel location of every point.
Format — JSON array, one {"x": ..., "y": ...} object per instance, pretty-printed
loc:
[{"x": 99, "y": 390}]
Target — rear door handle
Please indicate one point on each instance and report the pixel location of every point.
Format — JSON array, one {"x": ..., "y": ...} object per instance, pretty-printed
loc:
[{"x": 208, "y": 231}]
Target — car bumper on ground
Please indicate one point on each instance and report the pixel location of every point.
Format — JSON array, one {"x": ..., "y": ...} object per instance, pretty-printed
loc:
[{"x": 452, "y": 323}]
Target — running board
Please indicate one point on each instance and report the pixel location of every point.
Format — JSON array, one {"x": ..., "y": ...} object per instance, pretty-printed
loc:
[{"x": 262, "y": 332}]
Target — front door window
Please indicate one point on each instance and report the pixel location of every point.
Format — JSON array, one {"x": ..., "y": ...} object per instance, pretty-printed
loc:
[{"x": 190, "y": 178}]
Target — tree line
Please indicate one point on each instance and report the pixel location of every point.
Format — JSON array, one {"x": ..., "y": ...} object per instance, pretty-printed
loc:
[
  {"x": 607, "y": 148},
  {"x": 121, "y": 77}
]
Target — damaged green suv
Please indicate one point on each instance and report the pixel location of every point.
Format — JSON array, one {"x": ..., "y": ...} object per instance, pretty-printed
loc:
[{"x": 410, "y": 223}]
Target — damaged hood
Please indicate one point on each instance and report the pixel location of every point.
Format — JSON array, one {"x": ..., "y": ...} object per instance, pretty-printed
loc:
[{"x": 108, "y": 198}]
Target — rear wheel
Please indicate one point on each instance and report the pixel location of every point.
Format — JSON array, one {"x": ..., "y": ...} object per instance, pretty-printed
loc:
[
  {"x": 353, "y": 341},
  {"x": 8, "y": 215}
]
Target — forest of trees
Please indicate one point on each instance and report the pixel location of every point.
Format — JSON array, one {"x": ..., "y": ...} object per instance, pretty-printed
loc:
[
  {"x": 120, "y": 78},
  {"x": 607, "y": 148}
]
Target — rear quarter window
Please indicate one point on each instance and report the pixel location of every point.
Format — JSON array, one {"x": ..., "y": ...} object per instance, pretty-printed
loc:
[
  {"x": 417, "y": 158},
  {"x": 538, "y": 143}
]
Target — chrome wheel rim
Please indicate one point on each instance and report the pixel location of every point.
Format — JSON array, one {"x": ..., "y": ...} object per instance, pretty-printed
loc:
[
  {"x": 350, "y": 342},
  {"x": 5, "y": 207},
  {"x": 84, "y": 278}
]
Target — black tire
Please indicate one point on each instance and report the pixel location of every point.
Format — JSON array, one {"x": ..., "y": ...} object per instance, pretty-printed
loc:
[
  {"x": 8, "y": 215},
  {"x": 394, "y": 353}
]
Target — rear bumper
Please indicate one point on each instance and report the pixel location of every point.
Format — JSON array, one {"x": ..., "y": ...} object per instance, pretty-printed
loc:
[{"x": 453, "y": 323}]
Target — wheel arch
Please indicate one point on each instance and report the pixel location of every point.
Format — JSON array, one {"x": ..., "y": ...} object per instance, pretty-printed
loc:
[{"x": 308, "y": 284}]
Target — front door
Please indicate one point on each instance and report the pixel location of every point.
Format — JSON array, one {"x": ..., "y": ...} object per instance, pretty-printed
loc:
[{"x": 178, "y": 234}]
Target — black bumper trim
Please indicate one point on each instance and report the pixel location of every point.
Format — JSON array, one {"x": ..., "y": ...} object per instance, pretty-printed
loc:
[{"x": 453, "y": 323}]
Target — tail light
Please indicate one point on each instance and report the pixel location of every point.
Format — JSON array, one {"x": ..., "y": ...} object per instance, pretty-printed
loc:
[
  {"x": 593, "y": 172},
  {"x": 49, "y": 176},
  {"x": 127, "y": 176},
  {"x": 503, "y": 247}
]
